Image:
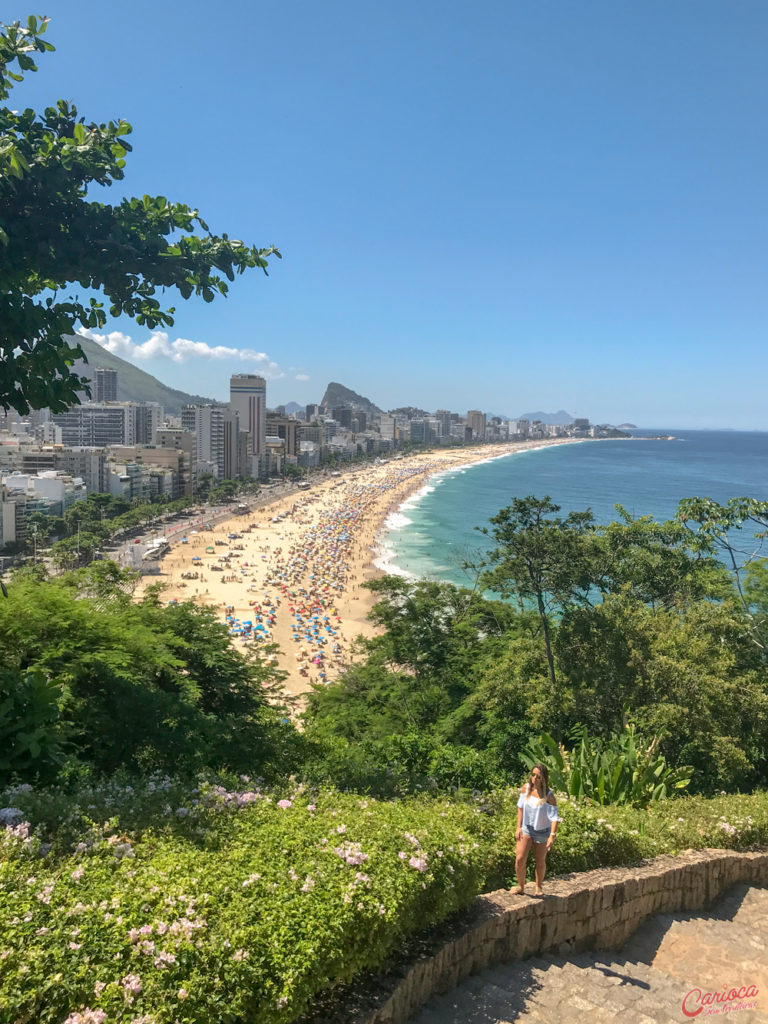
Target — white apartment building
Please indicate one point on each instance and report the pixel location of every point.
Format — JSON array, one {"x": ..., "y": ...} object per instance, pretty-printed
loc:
[{"x": 248, "y": 399}]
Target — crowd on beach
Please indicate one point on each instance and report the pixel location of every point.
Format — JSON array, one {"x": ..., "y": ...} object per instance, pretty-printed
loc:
[
  {"x": 290, "y": 581},
  {"x": 294, "y": 579}
]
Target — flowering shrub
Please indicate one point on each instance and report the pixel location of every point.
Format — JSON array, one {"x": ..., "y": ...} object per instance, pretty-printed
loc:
[
  {"x": 241, "y": 910},
  {"x": 117, "y": 909}
]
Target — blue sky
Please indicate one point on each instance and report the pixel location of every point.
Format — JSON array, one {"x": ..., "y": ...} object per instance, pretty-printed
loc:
[{"x": 505, "y": 205}]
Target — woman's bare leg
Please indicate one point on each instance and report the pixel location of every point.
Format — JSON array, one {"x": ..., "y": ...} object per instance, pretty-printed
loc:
[
  {"x": 524, "y": 844},
  {"x": 540, "y": 856}
]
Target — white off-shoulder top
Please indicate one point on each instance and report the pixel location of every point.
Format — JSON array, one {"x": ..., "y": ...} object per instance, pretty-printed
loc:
[{"x": 538, "y": 814}]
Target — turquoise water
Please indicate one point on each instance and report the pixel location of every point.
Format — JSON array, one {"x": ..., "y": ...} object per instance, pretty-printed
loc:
[{"x": 433, "y": 533}]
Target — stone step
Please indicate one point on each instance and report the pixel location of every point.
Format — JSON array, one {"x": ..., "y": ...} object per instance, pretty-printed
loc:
[{"x": 643, "y": 983}]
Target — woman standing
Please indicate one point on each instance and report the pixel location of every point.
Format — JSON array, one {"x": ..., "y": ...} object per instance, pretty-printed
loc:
[{"x": 537, "y": 820}]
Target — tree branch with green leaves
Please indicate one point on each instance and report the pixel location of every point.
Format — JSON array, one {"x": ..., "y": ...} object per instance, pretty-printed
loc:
[{"x": 53, "y": 236}]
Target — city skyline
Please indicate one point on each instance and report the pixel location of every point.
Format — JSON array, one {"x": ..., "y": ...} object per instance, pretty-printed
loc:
[{"x": 496, "y": 208}]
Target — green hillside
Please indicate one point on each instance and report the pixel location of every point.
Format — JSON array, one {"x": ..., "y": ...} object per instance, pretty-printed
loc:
[{"x": 133, "y": 384}]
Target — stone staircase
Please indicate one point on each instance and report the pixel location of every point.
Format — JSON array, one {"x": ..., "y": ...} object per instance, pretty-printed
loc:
[{"x": 645, "y": 982}]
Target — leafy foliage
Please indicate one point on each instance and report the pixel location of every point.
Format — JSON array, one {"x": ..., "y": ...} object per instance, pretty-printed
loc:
[
  {"x": 635, "y": 614},
  {"x": 53, "y": 234},
  {"x": 717, "y": 527},
  {"x": 30, "y": 738},
  {"x": 142, "y": 685},
  {"x": 237, "y": 907},
  {"x": 539, "y": 558},
  {"x": 233, "y": 902},
  {"x": 622, "y": 769}
]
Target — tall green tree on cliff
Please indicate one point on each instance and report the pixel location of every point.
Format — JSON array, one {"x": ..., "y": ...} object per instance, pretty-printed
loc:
[
  {"x": 541, "y": 559},
  {"x": 53, "y": 235}
]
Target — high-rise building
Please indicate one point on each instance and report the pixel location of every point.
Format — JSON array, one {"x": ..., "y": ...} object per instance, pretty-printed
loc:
[
  {"x": 97, "y": 424},
  {"x": 343, "y": 416},
  {"x": 215, "y": 428},
  {"x": 444, "y": 416},
  {"x": 248, "y": 398},
  {"x": 149, "y": 417},
  {"x": 287, "y": 429},
  {"x": 476, "y": 420},
  {"x": 104, "y": 384}
]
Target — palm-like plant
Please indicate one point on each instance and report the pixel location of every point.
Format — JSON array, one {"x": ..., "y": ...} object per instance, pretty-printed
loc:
[{"x": 623, "y": 769}]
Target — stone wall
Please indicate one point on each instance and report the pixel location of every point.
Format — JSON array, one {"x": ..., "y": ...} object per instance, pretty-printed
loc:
[{"x": 590, "y": 910}]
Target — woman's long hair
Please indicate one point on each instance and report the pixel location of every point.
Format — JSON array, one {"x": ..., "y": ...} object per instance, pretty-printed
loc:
[{"x": 544, "y": 777}]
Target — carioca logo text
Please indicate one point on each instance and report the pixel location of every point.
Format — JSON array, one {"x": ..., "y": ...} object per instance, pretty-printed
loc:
[{"x": 695, "y": 1000}]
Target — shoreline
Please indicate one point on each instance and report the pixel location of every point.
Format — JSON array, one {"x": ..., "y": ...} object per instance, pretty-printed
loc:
[
  {"x": 383, "y": 557},
  {"x": 293, "y": 575}
]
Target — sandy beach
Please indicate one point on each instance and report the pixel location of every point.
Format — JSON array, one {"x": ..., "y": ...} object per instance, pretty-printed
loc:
[{"x": 290, "y": 573}]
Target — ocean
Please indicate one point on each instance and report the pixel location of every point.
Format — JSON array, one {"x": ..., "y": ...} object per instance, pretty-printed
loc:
[{"x": 433, "y": 533}]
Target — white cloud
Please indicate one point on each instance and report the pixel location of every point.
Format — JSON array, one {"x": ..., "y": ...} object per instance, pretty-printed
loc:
[
  {"x": 302, "y": 376},
  {"x": 181, "y": 350}
]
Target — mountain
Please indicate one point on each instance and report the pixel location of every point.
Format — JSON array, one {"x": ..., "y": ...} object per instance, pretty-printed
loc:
[
  {"x": 133, "y": 384},
  {"x": 561, "y": 417},
  {"x": 294, "y": 407},
  {"x": 337, "y": 395}
]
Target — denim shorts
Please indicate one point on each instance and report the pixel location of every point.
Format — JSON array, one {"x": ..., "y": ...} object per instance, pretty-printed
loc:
[{"x": 538, "y": 835}]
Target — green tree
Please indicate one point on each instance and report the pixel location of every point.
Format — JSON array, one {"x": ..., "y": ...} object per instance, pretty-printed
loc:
[
  {"x": 660, "y": 564},
  {"x": 142, "y": 685},
  {"x": 30, "y": 733},
  {"x": 715, "y": 527},
  {"x": 205, "y": 482},
  {"x": 691, "y": 675},
  {"x": 294, "y": 472},
  {"x": 540, "y": 558},
  {"x": 224, "y": 491},
  {"x": 54, "y": 234}
]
